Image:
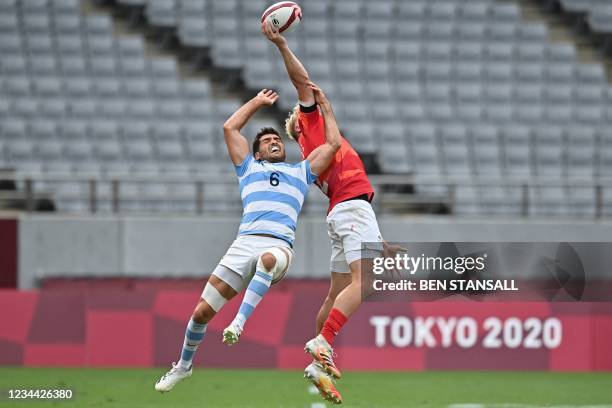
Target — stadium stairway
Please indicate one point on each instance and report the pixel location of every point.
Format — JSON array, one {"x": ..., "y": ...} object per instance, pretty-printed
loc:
[{"x": 588, "y": 18}]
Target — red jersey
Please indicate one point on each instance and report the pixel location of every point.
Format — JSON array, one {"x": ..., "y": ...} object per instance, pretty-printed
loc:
[{"x": 345, "y": 177}]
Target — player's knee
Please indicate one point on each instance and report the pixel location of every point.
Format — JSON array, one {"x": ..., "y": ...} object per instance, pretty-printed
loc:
[
  {"x": 202, "y": 313},
  {"x": 274, "y": 262},
  {"x": 211, "y": 302},
  {"x": 268, "y": 261}
]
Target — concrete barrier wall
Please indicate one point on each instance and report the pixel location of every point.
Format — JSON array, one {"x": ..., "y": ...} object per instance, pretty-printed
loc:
[{"x": 52, "y": 246}]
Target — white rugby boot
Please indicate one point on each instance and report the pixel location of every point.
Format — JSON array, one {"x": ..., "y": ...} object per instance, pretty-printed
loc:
[
  {"x": 322, "y": 352},
  {"x": 172, "y": 377},
  {"x": 324, "y": 383},
  {"x": 231, "y": 334}
]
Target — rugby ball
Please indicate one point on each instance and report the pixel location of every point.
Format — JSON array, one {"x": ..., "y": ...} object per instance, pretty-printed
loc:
[{"x": 284, "y": 16}]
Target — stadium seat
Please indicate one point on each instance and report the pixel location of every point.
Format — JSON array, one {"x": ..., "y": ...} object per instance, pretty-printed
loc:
[
  {"x": 194, "y": 32},
  {"x": 600, "y": 19},
  {"x": 162, "y": 13}
]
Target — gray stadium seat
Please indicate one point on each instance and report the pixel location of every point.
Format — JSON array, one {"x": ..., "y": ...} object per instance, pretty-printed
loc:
[
  {"x": 549, "y": 201},
  {"x": 162, "y": 13},
  {"x": 64, "y": 7},
  {"x": 559, "y": 113},
  {"x": 10, "y": 44},
  {"x": 107, "y": 87},
  {"x": 98, "y": 24},
  {"x": 8, "y": 23},
  {"x": 170, "y": 150},
  {"x": 194, "y": 32},
  {"x": 163, "y": 68},
  {"x": 13, "y": 64},
  {"x": 42, "y": 129},
  {"x": 548, "y": 151},
  {"x": 591, "y": 73},
  {"x": 444, "y": 11},
  {"x": 202, "y": 109},
  {"x": 201, "y": 150},
  {"x": 135, "y": 130},
  {"x": 67, "y": 24},
  {"x": 21, "y": 149},
  {"x": 104, "y": 130},
  {"x": 73, "y": 66},
  {"x": 472, "y": 32},
  {"x": 171, "y": 109},
  {"x": 17, "y": 86},
  {"x": 40, "y": 44},
  {"x": 112, "y": 107},
  {"x": 109, "y": 150},
  {"x": 73, "y": 129},
  {"x": 600, "y": 19},
  {"x": 136, "y": 87},
  {"x": 36, "y": 23},
  {"x": 167, "y": 131},
  {"x": 82, "y": 108},
  {"x": 69, "y": 44},
  {"x": 13, "y": 128},
  {"x": 26, "y": 107},
  {"x": 581, "y": 150},
  {"x": 5, "y": 108},
  {"x": 50, "y": 149},
  {"x": 589, "y": 114},
  {"x": 533, "y": 32},
  {"x": 576, "y": 6},
  {"x": 394, "y": 158},
  {"x": 516, "y": 142},
  {"x": 360, "y": 136}
]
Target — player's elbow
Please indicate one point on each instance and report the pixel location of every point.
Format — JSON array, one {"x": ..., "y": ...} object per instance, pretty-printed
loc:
[
  {"x": 228, "y": 127},
  {"x": 302, "y": 80}
]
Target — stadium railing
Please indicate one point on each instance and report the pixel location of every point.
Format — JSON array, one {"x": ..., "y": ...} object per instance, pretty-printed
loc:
[{"x": 218, "y": 194}]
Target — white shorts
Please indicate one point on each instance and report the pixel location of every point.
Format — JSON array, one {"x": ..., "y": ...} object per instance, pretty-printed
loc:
[
  {"x": 350, "y": 225},
  {"x": 239, "y": 262}
]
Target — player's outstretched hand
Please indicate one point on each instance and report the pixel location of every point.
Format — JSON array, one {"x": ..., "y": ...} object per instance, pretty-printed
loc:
[
  {"x": 267, "y": 97},
  {"x": 272, "y": 33}
]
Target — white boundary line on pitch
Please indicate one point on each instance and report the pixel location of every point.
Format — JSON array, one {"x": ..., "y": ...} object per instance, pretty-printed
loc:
[{"x": 509, "y": 405}]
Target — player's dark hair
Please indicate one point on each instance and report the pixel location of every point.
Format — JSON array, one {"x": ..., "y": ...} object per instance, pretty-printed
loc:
[{"x": 263, "y": 131}]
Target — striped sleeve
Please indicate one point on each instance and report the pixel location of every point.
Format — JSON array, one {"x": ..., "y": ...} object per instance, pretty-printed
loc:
[
  {"x": 309, "y": 176},
  {"x": 242, "y": 168}
]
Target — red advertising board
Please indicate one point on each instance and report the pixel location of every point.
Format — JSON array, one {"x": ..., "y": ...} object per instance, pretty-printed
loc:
[{"x": 101, "y": 328}]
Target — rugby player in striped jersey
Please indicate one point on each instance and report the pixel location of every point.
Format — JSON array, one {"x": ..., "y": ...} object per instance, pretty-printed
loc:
[{"x": 272, "y": 193}]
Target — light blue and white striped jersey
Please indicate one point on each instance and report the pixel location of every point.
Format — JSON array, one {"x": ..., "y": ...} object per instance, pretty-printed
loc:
[{"x": 272, "y": 196}]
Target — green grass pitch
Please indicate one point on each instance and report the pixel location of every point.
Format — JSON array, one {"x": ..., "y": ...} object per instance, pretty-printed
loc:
[{"x": 209, "y": 388}]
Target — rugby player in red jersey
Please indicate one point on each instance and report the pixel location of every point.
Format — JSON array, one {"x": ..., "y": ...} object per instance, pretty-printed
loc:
[{"x": 350, "y": 221}]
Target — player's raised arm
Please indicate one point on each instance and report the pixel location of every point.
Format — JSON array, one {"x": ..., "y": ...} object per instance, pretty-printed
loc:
[
  {"x": 297, "y": 73},
  {"x": 322, "y": 156},
  {"x": 237, "y": 144}
]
